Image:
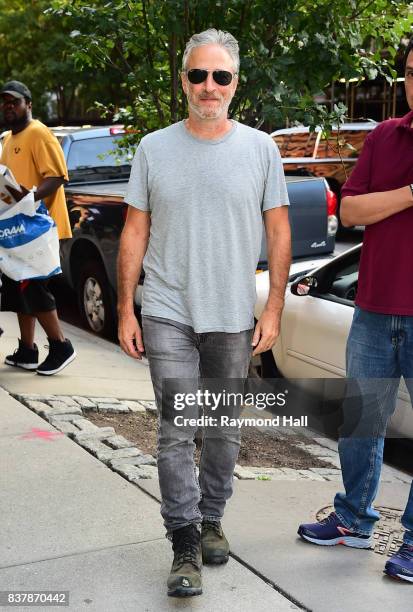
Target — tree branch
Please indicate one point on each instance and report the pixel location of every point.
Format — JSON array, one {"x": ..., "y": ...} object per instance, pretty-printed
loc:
[{"x": 361, "y": 10}]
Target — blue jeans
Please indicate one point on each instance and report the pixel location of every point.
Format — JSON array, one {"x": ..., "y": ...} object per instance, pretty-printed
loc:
[
  {"x": 379, "y": 352},
  {"x": 175, "y": 352}
]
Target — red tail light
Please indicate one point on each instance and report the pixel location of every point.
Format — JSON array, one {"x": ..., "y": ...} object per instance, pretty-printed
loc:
[
  {"x": 331, "y": 202},
  {"x": 116, "y": 129}
]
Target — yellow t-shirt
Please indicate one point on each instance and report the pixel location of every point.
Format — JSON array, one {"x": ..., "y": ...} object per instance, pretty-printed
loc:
[{"x": 33, "y": 155}]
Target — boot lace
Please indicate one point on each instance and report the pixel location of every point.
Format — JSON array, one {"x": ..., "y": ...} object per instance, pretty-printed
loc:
[
  {"x": 185, "y": 546},
  {"x": 212, "y": 526}
]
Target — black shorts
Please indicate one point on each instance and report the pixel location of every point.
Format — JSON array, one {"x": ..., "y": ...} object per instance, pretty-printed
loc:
[{"x": 26, "y": 297}]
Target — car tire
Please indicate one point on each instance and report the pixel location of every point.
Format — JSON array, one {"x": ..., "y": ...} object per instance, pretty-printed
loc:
[
  {"x": 268, "y": 366},
  {"x": 96, "y": 300}
]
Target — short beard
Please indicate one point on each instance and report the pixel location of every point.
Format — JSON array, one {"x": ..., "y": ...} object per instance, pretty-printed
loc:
[
  {"x": 212, "y": 114},
  {"x": 17, "y": 122}
]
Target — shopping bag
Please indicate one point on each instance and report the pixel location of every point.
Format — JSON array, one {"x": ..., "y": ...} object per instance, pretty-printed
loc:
[{"x": 29, "y": 243}]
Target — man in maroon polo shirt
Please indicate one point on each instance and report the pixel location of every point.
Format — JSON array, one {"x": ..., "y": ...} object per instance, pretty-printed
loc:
[{"x": 378, "y": 194}]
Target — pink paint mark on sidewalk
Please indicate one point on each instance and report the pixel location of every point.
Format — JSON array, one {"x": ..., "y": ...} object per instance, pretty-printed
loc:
[{"x": 43, "y": 434}]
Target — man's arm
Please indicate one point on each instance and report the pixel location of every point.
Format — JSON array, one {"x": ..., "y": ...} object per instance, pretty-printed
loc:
[
  {"x": 277, "y": 230},
  {"x": 370, "y": 208},
  {"x": 48, "y": 186},
  {"x": 133, "y": 245}
]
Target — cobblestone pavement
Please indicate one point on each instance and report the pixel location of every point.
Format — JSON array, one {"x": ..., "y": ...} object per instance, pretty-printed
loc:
[{"x": 69, "y": 415}]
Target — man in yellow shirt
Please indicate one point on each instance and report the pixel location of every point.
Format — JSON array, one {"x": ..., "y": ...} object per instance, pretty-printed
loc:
[{"x": 36, "y": 159}]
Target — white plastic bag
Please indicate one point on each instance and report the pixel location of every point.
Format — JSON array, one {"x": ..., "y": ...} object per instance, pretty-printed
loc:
[{"x": 29, "y": 243}]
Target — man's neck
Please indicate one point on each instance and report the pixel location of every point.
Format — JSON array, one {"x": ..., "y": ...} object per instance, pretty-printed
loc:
[
  {"x": 20, "y": 127},
  {"x": 208, "y": 129}
]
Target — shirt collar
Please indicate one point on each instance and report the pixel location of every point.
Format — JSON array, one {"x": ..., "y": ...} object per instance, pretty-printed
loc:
[{"x": 406, "y": 121}]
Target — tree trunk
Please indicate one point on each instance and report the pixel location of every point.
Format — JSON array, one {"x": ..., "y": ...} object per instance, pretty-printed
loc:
[{"x": 172, "y": 48}]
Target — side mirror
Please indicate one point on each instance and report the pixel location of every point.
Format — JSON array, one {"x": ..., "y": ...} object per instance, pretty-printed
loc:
[{"x": 303, "y": 285}]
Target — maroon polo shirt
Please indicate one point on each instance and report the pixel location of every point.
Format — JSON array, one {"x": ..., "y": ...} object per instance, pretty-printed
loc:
[{"x": 385, "y": 282}]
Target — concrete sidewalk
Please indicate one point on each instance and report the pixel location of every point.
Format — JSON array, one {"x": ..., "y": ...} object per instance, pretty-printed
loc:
[
  {"x": 101, "y": 368},
  {"x": 70, "y": 523}
]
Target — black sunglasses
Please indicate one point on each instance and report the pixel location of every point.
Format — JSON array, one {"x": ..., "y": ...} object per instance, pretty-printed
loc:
[{"x": 221, "y": 77}]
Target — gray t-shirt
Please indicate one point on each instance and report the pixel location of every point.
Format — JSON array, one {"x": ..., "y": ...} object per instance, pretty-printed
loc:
[{"x": 206, "y": 199}]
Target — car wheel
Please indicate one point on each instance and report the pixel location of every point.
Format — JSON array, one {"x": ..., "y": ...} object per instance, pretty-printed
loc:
[
  {"x": 268, "y": 366},
  {"x": 96, "y": 300}
]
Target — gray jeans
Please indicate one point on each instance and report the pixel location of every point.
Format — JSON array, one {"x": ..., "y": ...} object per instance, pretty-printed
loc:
[{"x": 176, "y": 352}]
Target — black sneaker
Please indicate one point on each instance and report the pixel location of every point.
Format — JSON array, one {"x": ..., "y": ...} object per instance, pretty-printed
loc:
[
  {"x": 61, "y": 353},
  {"x": 185, "y": 577},
  {"x": 24, "y": 357},
  {"x": 215, "y": 547}
]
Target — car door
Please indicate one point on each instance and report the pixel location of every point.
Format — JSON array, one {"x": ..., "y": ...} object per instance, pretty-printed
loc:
[
  {"x": 314, "y": 331},
  {"x": 315, "y": 327}
]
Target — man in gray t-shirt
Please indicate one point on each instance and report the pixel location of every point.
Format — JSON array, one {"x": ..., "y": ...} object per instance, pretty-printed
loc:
[{"x": 196, "y": 196}]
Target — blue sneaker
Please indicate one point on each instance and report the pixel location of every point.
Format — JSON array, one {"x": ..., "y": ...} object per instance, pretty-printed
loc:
[
  {"x": 400, "y": 565},
  {"x": 330, "y": 532}
]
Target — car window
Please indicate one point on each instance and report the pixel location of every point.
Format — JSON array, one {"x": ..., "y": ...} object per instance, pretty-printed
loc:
[
  {"x": 90, "y": 160},
  {"x": 338, "y": 282}
]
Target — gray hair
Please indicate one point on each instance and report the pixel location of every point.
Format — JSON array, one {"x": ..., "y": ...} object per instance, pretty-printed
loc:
[{"x": 213, "y": 37}]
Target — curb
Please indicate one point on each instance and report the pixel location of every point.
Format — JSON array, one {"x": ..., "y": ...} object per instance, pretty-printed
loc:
[{"x": 68, "y": 414}]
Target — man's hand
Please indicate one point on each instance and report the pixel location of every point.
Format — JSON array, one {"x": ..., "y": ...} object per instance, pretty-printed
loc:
[
  {"x": 266, "y": 331},
  {"x": 17, "y": 195},
  {"x": 48, "y": 186},
  {"x": 130, "y": 336}
]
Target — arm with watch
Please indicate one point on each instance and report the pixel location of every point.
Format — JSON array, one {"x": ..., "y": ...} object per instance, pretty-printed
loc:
[{"x": 370, "y": 208}]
